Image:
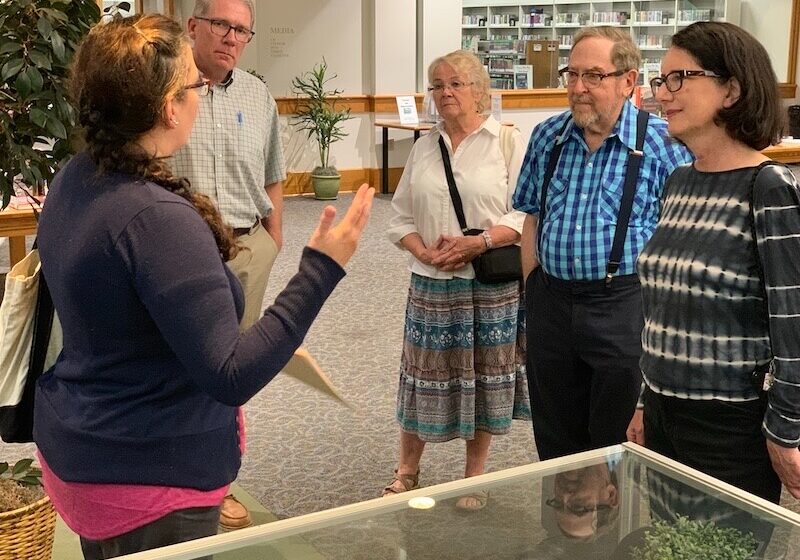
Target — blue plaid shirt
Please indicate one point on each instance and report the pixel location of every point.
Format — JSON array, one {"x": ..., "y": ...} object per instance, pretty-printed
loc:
[{"x": 584, "y": 195}]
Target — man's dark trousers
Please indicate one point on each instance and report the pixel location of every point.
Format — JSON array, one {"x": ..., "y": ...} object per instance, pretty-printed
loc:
[{"x": 584, "y": 344}]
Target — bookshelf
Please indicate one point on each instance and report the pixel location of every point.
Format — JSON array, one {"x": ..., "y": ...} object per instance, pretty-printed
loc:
[{"x": 651, "y": 23}]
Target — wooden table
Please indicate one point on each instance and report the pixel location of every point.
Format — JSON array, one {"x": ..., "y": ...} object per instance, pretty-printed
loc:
[
  {"x": 16, "y": 224},
  {"x": 386, "y": 125},
  {"x": 785, "y": 152}
]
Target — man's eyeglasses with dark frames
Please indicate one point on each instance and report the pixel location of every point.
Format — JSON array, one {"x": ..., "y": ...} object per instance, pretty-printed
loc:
[
  {"x": 222, "y": 28},
  {"x": 590, "y": 79},
  {"x": 674, "y": 80},
  {"x": 202, "y": 86},
  {"x": 580, "y": 511}
]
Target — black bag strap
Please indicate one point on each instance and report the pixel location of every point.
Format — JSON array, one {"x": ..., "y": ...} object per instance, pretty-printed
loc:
[
  {"x": 628, "y": 192},
  {"x": 20, "y": 430},
  {"x": 42, "y": 318},
  {"x": 451, "y": 183},
  {"x": 751, "y": 192},
  {"x": 552, "y": 163}
]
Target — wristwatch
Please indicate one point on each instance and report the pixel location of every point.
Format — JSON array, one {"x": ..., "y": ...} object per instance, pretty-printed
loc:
[{"x": 487, "y": 239}]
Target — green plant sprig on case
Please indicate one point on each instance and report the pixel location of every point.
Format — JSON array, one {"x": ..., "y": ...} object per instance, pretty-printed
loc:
[
  {"x": 37, "y": 41},
  {"x": 316, "y": 112},
  {"x": 692, "y": 540}
]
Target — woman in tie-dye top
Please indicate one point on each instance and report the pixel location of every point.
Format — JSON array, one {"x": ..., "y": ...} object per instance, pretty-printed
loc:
[{"x": 720, "y": 275}]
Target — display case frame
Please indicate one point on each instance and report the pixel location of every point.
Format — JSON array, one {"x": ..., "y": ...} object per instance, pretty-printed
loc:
[{"x": 633, "y": 463}]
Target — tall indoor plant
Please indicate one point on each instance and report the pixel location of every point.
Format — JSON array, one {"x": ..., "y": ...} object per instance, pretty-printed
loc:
[
  {"x": 37, "y": 41},
  {"x": 317, "y": 115}
]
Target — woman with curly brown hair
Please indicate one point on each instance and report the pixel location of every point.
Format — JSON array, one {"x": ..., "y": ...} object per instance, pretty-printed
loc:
[{"x": 137, "y": 422}]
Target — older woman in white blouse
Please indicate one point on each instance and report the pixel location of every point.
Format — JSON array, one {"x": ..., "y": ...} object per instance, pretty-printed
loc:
[{"x": 461, "y": 367}]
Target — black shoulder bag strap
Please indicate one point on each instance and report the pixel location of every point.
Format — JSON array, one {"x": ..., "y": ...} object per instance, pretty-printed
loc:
[
  {"x": 552, "y": 162},
  {"x": 42, "y": 318},
  {"x": 628, "y": 192},
  {"x": 451, "y": 183},
  {"x": 22, "y": 429},
  {"x": 761, "y": 381}
]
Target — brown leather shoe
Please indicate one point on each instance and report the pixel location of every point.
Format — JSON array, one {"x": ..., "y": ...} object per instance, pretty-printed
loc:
[{"x": 233, "y": 515}]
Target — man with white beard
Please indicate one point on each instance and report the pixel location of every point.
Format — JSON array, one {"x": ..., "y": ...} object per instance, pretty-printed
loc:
[{"x": 580, "y": 242}]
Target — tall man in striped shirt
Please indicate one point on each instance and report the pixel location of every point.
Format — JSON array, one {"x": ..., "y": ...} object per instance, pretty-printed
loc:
[
  {"x": 234, "y": 155},
  {"x": 583, "y": 298}
]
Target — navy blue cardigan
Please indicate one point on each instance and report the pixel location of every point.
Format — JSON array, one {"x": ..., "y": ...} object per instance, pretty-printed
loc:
[{"x": 153, "y": 367}]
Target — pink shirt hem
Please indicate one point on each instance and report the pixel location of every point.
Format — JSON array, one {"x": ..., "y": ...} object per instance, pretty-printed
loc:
[{"x": 103, "y": 511}]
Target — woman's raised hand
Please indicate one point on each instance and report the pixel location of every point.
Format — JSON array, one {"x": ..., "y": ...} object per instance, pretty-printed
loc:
[{"x": 339, "y": 242}]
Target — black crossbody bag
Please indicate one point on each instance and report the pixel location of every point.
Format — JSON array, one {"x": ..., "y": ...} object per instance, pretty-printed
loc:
[{"x": 503, "y": 264}]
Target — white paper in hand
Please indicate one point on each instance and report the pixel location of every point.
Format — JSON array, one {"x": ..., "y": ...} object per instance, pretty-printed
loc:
[{"x": 303, "y": 367}]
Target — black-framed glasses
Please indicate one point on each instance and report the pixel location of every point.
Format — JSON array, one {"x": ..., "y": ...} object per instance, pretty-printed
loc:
[
  {"x": 222, "y": 28},
  {"x": 674, "y": 80},
  {"x": 589, "y": 79},
  {"x": 202, "y": 86},
  {"x": 580, "y": 511},
  {"x": 455, "y": 85}
]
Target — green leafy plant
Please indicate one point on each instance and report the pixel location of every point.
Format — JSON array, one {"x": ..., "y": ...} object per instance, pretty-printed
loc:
[
  {"x": 37, "y": 41},
  {"x": 316, "y": 112},
  {"x": 252, "y": 72},
  {"x": 23, "y": 472},
  {"x": 20, "y": 485},
  {"x": 690, "y": 540}
]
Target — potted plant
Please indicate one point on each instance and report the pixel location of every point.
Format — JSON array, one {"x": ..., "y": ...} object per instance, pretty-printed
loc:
[
  {"x": 37, "y": 41},
  {"x": 27, "y": 518},
  {"x": 318, "y": 116}
]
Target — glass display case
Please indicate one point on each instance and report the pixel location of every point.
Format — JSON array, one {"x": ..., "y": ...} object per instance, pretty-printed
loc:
[{"x": 598, "y": 504}]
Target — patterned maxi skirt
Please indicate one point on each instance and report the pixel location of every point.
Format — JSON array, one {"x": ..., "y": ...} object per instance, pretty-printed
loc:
[{"x": 463, "y": 363}]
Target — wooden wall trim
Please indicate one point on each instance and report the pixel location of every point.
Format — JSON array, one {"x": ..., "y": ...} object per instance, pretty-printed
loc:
[
  {"x": 794, "y": 32},
  {"x": 386, "y": 103},
  {"x": 298, "y": 183},
  {"x": 788, "y": 90},
  {"x": 356, "y": 103}
]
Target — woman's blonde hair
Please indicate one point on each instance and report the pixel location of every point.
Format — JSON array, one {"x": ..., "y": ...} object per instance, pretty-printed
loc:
[{"x": 467, "y": 64}]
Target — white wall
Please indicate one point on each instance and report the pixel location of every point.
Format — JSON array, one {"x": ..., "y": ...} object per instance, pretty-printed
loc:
[
  {"x": 439, "y": 32},
  {"x": 296, "y": 34},
  {"x": 769, "y": 21},
  {"x": 395, "y": 33}
]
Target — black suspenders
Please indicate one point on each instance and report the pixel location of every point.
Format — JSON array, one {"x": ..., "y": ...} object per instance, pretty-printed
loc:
[{"x": 628, "y": 192}]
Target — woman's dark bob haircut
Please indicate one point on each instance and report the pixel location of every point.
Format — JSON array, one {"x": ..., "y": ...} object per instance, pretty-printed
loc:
[{"x": 757, "y": 118}]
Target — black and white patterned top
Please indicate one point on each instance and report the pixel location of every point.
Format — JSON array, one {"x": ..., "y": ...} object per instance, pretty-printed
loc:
[{"x": 707, "y": 326}]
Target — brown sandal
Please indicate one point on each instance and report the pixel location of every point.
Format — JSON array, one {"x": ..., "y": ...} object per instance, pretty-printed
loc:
[{"x": 406, "y": 482}]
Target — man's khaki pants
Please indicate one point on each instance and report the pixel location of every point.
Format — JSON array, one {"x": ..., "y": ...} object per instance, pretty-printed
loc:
[{"x": 252, "y": 266}]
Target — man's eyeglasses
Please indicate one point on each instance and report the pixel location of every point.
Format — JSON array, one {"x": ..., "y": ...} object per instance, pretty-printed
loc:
[
  {"x": 455, "y": 85},
  {"x": 222, "y": 28},
  {"x": 202, "y": 86},
  {"x": 580, "y": 511},
  {"x": 590, "y": 79},
  {"x": 674, "y": 80}
]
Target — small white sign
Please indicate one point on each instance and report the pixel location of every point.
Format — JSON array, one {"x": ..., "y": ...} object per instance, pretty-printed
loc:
[
  {"x": 407, "y": 109},
  {"x": 523, "y": 76},
  {"x": 497, "y": 106}
]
